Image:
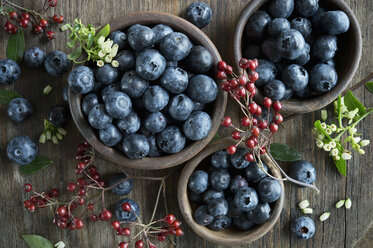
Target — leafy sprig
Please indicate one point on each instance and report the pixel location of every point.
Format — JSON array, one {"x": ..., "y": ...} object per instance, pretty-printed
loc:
[{"x": 51, "y": 132}]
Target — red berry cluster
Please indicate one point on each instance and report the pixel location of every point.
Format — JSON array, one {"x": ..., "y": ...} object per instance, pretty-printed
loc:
[
  {"x": 255, "y": 129},
  {"x": 24, "y": 17}
]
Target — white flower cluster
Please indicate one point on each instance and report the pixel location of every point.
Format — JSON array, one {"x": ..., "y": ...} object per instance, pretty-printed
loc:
[
  {"x": 345, "y": 112},
  {"x": 60, "y": 244},
  {"x": 108, "y": 51}
]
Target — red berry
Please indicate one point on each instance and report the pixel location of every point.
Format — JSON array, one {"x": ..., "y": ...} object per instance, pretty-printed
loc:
[
  {"x": 273, "y": 127},
  {"x": 221, "y": 75},
  {"x": 277, "y": 118},
  {"x": 229, "y": 69},
  {"x": 43, "y": 23},
  {"x": 252, "y": 93},
  {"x": 79, "y": 224},
  {"x": 86, "y": 144},
  {"x": 179, "y": 232},
  {"x": 27, "y": 187},
  {"x": 14, "y": 30},
  {"x": 169, "y": 219},
  {"x": 233, "y": 83},
  {"x": 126, "y": 207},
  {"x": 258, "y": 111},
  {"x": 236, "y": 135},
  {"x": 73, "y": 206},
  {"x": 161, "y": 237},
  {"x": 52, "y": 3},
  {"x": 71, "y": 226},
  {"x": 255, "y": 131},
  {"x": 127, "y": 232},
  {"x": 115, "y": 224},
  {"x": 92, "y": 169},
  {"x": 253, "y": 107},
  {"x": 8, "y": 27},
  {"x": 96, "y": 176},
  {"x": 139, "y": 244},
  {"x": 222, "y": 65},
  {"x": 253, "y": 76},
  {"x": 225, "y": 85},
  {"x": 78, "y": 171},
  {"x": 13, "y": 15},
  {"x": 227, "y": 121},
  {"x": 250, "y": 143},
  {"x": 82, "y": 192},
  {"x": 55, "y": 192},
  {"x": 254, "y": 122},
  {"x": 176, "y": 224},
  {"x": 26, "y": 203},
  {"x": 102, "y": 183},
  {"x": 242, "y": 80},
  {"x": 61, "y": 224},
  {"x": 267, "y": 102},
  {"x": 81, "y": 182},
  {"x": 93, "y": 218},
  {"x": 81, "y": 148},
  {"x": 90, "y": 207},
  {"x": 61, "y": 211},
  {"x": 42, "y": 203},
  {"x": 256, "y": 62},
  {"x": 249, "y": 157},
  {"x": 81, "y": 165},
  {"x": 61, "y": 19},
  {"x": 241, "y": 92},
  {"x": 119, "y": 231},
  {"x": 106, "y": 214},
  {"x": 31, "y": 207},
  {"x": 151, "y": 245},
  {"x": 277, "y": 106},
  {"x": 263, "y": 150},
  {"x": 71, "y": 186},
  {"x": 81, "y": 201},
  {"x": 242, "y": 63},
  {"x": 250, "y": 87},
  {"x": 231, "y": 149},
  {"x": 25, "y": 16},
  {"x": 50, "y": 35},
  {"x": 245, "y": 121},
  {"x": 123, "y": 245},
  {"x": 251, "y": 64},
  {"x": 262, "y": 124}
]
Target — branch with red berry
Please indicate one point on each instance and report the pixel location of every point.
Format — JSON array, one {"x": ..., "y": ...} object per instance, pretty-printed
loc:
[{"x": 256, "y": 129}]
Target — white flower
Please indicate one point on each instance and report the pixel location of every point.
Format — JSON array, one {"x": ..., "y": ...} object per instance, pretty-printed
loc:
[
  {"x": 328, "y": 131},
  {"x": 101, "y": 40},
  {"x": 303, "y": 204},
  {"x": 348, "y": 203},
  {"x": 107, "y": 49},
  {"x": 333, "y": 127},
  {"x": 344, "y": 109},
  {"x": 352, "y": 130},
  {"x": 346, "y": 156},
  {"x": 352, "y": 113},
  {"x": 323, "y": 125},
  {"x": 320, "y": 136},
  {"x": 334, "y": 152},
  {"x": 324, "y": 115},
  {"x": 114, "y": 63},
  {"x": 101, "y": 54},
  {"x": 343, "y": 101},
  {"x": 109, "y": 42},
  {"x": 336, "y": 158},
  {"x": 108, "y": 59},
  {"x": 340, "y": 204},
  {"x": 307, "y": 211},
  {"x": 319, "y": 144},
  {"x": 333, "y": 144},
  {"x": 100, "y": 63},
  {"x": 361, "y": 151},
  {"x": 60, "y": 244},
  {"x": 114, "y": 50},
  {"x": 324, "y": 216},
  {"x": 327, "y": 147},
  {"x": 356, "y": 139},
  {"x": 365, "y": 142}
]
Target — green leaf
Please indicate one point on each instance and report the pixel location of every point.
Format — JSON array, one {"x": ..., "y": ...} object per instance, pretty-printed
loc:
[
  {"x": 320, "y": 129},
  {"x": 341, "y": 166},
  {"x": 7, "y": 95},
  {"x": 352, "y": 103},
  {"x": 72, "y": 42},
  {"x": 75, "y": 53},
  {"x": 39, "y": 163},
  {"x": 36, "y": 241},
  {"x": 103, "y": 32},
  {"x": 16, "y": 47},
  {"x": 369, "y": 86},
  {"x": 90, "y": 39},
  {"x": 284, "y": 153}
]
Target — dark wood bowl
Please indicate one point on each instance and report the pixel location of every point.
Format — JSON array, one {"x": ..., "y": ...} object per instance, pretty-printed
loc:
[
  {"x": 230, "y": 236},
  {"x": 347, "y": 58},
  {"x": 114, "y": 154}
]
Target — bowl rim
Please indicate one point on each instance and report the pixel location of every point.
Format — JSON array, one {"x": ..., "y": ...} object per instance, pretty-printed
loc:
[
  {"x": 216, "y": 236},
  {"x": 296, "y": 106},
  {"x": 113, "y": 154}
]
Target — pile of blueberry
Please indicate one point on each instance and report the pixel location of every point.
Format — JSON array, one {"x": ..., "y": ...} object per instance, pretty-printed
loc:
[
  {"x": 154, "y": 101},
  {"x": 232, "y": 190},
  {"x": 296, "y": 41}
]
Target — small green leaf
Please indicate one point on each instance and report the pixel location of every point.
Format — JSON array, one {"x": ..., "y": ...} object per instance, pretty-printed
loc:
[
  {"x": 91, "y": 37},
  {"x": 284, "y": 153},
  {"x": 39, "y": 163},
  {"x": 7, "y": 95},
  {"x": 16, "y": 47},
  {"x": 352, "y": 103},
  {"x": 36, "y": 241},
  {"x": 72, "y": 42},
  {"x": 75, "y": 53},
  {"x": 320, "y": 129},
  {"x": 369, "y": 86},
  {"x": 103, "y": 32},
  {"x": 341, "y": 166}
]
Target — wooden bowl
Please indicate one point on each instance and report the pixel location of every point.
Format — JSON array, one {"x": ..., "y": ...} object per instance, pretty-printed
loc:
[
  {"x": 230, "y": 236},
  {"x": 347, "y": 58},
  {"x": 217, "y": 109}
]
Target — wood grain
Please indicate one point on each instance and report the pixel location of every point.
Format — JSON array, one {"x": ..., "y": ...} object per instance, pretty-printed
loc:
[{"x": 345, "y": 228}]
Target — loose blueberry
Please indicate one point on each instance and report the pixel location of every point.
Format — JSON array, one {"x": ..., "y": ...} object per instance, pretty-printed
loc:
[
  {"x": 19, "y": 109},
  {"x": 242, "y": 223},
  {"x": 135, "y": 146},
  {"x": 150, "y": 64},
  {"x": 303, "y": 25},
  {"x": 171, "y": 140},
  {"x": 306, "y": 8},
  {"x": 267, "y": 72},
  {"x": 197, "y": 126},
  {"x": 295, "y": 77},
  {"x": 122, "y": 215},
  {"x": 281, "y": 8},
  {"x": 238, "y": 158},
  {"x": 9, "y": 71},
  {"x": 88, "y": 102},
  {"x": 119, "y": 38},
  {"x": 59, "y": 115},
  {"x": 199, "y": 59},
  {"x": 117, "y": 104},
  {"x": 220, "y": 160},
  {"x": 140, "y": 37},
  {"x": 22, "y": 150},
  {"x": 323, "y": 78},
  {"x": 110, "y": 136},
  {"x": 290, "y": 44},
  {"x": 211, "y": 194},
  {"x": 269, "y": 49},
  {"x": 133, "y": 85},
  {"x": 303, "y": 171},
  {"x": 175, "y": 46},
  {"x": 246, "y": 199},
  {"x": 305, "y": 57},
  {"x": 220, "y": 223},
  {"x": 81, "y": 79},
  {"x": 161, "y": 31},
  {"x": 153, "y": 148},
  {"x": 155, "y": 122},
  {"x": 99, "y": 118},
  {"x": 155, "y": 98},
  {"x": 257, "y": 24},
  {"x": 217, "y": 207},
  {"x": 303, "y": 227},
  {"x": 202, "y": 216},
  {"x": 198, "y": 181},
  {"x": 126, "y": 60},
  {"x": 254, "y": 174},
  {"x": 220, "y": 180},
  {"x": 325, "y": 48},
  {"x": 106, "y": 74},
  {"x": 108, "y": 90},
  {"x": 123, "y": 188},
  {"x": 56, "y": 63},
  {"x": 335, "y": 22},
  {"x": 199, "y": 13},
  {"x": 275, "y": 90},
  {"x": 202, "y": 89},
  {"x": 129, "y": 124},
  {"x": 269, "y": 190},
  {"x": 174, "y": 79},
  {"x": 180, "y": 107},
  {"x": 260, "y": 214},
  {"x": 238, "y": 182},
  {"x": 278, "y": 25},
  {"x": 34, "y": 57}
]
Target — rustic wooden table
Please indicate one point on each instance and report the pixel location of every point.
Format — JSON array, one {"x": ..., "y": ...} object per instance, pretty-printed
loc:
[{"x": 345, "y": 228}]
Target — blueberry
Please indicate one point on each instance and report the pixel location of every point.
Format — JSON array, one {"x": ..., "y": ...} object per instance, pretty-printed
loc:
[
  {"x": 155, "y": 98},
  {"x": 303, "y": 25},
  {"x": 199, "y": 59},
  {"x": 65, "y": 94},
  {"x": 9, "y": 71},
  {"x": 269, "y": 190},
  {"x": 140, "y": 37},
  {"x": 135, "y": 146},
  {"x": 211, "y": 194},
  {"x": 276, "y": 26},
  {"x": 106, "y": 74},
  {"x": 126, "y": 60},
  {"x": 269, "y": 49},
  {"x": 98, "y": 86},
  {"x": 202, "y": 216},
  {"x": 194, "y": 197},
  {"x": 254, "y": 174},
  {"x": 281, "y": 8},
  {"x": 260, "y": 214},
  {"x": 233, "y": 211},
  {"x": 124, "y": 188},
  {"x": 237, "y": 183},
  {"x": 88, "y": 102},
  {"x": 275, "y": 90},
  {"x": 202, "y": 89},
  {"x": 59, "y": 115},
  {"x": 180, "y": 107},
  {"x": 110, "y": 136},
  {"x": 267, "y": 72},
  {"x": 174, "y": 80},
  {"x": 323, "y": 78},
  {"x": 303, "y": 94},
  {"x": 305, "y": 57},
  {"x": 98, "y": 118},
  {"x": 34, "y": 57},
  {"x": 242, "y": 223},
  {"x": 119, "y": 38},
  {"x": 175, "y": 46},
  {"x": 108, "y": 90},
  {"x": 324, "y": 48},
  {"x": 220, "y": 160},
  {"x": 133, "y": 85},
  {"x": 295, "y": 77},
  {"x": 288, "y": 94},
  {"x": 153, "y": 148},
  {"x": 56, "y": 63},
  {"x": 81, "y": 79},
  {"x": 19, "y": 109},
  {"x": 335, "y": 22},
  {"x": 161, "y": 31},
  {"x": 117, "y": 104},
  {"x": 198, "y": 181},
  {"x": 303, "y": 171},
  {"x": 197, "y": 126},
  {"x": 171, "y": 64},
  {"x": 257, "y": 24},
  {"x": 306, "y": 8},
  {"x": 127, "y": 216},
  {"x": 316, "y": 18},
  {"x": 22, "y": 150},
  {"x": 303, "y": 227},
  {"x": 252, "y": 51},
  {"x": 220, "y": 180},
  {"x": 150, "y": 64},
  {"x": 290, "y": 44},
  {"x": 129, "y": 124},
  {"x": 330, "y": 63},
  {"x": 199, "y": 13},
  {"x": 170, "y": 140},
  {"x": 238, "y": 158},
  {"x": 246, "y": 199},
  {"x": 155, "y": 122},
  {"x": 220, "y": 223},
  {"x": 217, "y": 207}
]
